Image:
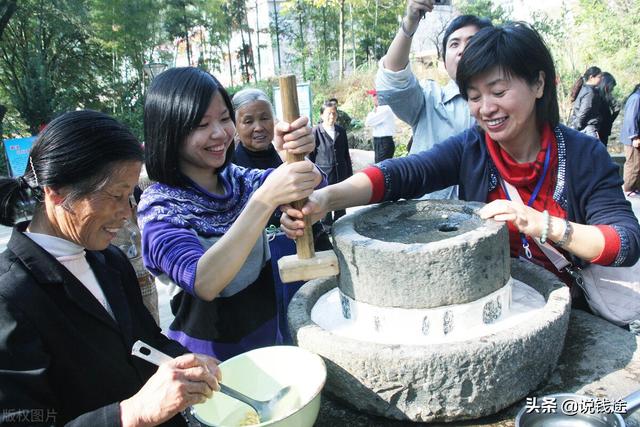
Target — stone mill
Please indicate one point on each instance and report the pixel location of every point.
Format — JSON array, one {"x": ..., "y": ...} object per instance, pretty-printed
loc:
[{"x": 429, "y": 319}]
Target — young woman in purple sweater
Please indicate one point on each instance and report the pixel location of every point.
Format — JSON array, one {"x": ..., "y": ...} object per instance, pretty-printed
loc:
[{"x": 203, "y": 220}]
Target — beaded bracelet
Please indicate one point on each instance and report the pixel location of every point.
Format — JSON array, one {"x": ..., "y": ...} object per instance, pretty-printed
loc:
[
  {"x": 568, "y": 229},
  {"x": 546, "y": 220}
]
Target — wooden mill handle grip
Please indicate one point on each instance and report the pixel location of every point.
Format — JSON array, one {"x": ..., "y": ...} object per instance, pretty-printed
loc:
[{"x": 291, "y": 112}]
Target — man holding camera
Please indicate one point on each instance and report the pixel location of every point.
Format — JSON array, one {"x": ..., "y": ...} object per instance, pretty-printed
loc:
[{"x": 433, "y": 112}]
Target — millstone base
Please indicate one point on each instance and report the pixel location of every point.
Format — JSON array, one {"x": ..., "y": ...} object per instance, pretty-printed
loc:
[{"x": 440, "y": 382}]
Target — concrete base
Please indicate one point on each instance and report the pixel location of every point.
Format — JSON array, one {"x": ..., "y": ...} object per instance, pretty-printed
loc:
[
  {"x": 420, "y": 254},
  {"x": 440, "y": 382}
]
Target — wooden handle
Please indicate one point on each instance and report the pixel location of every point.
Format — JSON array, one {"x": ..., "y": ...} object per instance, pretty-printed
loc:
[{"x": 291, "y": 112}]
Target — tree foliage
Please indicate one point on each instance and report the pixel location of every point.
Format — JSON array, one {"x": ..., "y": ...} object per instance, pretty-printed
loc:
[
  {"x": 498, "y": 13},
  {"x": 607, "y": 35},
  {"x": 48, "y": 60},
  {"x": 57, "y": 55}
]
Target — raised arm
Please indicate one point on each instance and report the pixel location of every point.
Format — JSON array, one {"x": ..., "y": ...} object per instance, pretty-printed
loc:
[{"x": 397, "y": 56}]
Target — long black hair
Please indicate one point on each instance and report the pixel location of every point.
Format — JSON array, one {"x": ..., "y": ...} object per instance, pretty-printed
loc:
[
  {"x": 575, "y": 89},
  {"x": 77, "y": 151},
  {"x": 519, "y": 51},
  {"x": 176, "y": 102},
  {"x": 606, "y": 86}
]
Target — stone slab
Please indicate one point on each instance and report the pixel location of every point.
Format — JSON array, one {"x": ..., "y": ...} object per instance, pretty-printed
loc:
[
  {"x": 380, "y": 264},
  {"x": 598, "y": 359},
  {"x": 439, "y": 382}
]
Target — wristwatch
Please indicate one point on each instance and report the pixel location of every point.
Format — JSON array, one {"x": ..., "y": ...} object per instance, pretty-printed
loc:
[{"x": 568, "y": 230}]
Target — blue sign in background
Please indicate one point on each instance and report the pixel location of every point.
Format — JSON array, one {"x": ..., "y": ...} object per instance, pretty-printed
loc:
[{"x": 18, "y": 154}]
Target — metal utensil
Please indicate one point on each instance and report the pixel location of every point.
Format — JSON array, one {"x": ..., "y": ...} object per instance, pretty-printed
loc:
[
  {"x": 266, "y": 409},
  {"x": 561, "y": 418}
]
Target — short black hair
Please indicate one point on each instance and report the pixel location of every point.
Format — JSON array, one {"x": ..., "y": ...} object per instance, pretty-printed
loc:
[
  {"x": 175, "y": 104},
  {"x": 330, "y": 103},
  {"x": 519, "y": 51},
  {"x": 461, "y": 22},
  {"x": 79, "y": 151},
  {"x": 591, "y": 72}
]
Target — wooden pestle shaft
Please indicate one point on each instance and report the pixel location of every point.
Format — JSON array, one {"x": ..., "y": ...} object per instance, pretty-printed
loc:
[{"x": 291, "y": 112}]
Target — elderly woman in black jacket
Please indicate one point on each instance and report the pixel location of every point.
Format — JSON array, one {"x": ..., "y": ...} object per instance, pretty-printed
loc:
[{"x": 70, "y": 304}]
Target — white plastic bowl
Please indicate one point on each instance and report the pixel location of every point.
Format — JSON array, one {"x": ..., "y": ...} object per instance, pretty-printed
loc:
[{"x": 260, "y": 374}]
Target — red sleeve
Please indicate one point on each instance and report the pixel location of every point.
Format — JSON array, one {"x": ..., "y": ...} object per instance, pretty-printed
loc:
[
  {"x": 611, "y": 245},
  {"x": 377, "y": 183}
]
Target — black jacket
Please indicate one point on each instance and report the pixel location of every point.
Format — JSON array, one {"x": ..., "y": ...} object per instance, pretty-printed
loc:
[
  {"x": 63, "y": 359},
  {"x": 332, "y": 157},
  {"x": 609, "y": 111},
  {"x": 586, "y": 108}
]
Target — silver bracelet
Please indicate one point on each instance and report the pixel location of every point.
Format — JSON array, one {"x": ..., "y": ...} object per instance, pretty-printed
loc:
[
  {"x": 568, "y": 230},
  {"x": 405, "y": 32}
]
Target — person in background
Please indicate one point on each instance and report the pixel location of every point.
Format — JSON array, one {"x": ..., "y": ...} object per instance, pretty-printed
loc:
[
  {"x": 570, "y": 185},
  {"x": 70, "y": 303},
  {"x": 609, "y": 108},
  {"x": 331, "y": 153},
  {"x": 433, "y": 112},
  {"x": 587, "y": 102},
  {"x": 203, "y": 221},
  {"x": 128, "y": 240},
  {"x": 383, "y": 122},
  {"x": 255, "y": 129},
  {"x": 630, "y": 137},
  {"x": 343, "y": 119}
]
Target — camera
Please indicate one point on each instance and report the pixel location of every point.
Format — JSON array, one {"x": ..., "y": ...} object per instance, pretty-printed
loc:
[{"x": 442, "y": 2}]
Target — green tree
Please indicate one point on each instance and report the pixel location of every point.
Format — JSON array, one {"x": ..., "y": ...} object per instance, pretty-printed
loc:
[
  {"x": 128, "y": 32},
  {"x": 484, "y": 8},
  {"x": 296, "y": 29},
  {"x": 609, "y": 37},
  {"x": 217, "y": 21},
  {"x": 180, "y": 17},
  {"x": 7, "y": 9},
  {"x": 375, "y": 28},
  {"x": 48, "y": 62},
  {"x": 557, "y": 31}
]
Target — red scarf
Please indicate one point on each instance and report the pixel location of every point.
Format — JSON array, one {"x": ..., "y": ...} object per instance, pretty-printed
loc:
[{"x": 524, "y": 176}]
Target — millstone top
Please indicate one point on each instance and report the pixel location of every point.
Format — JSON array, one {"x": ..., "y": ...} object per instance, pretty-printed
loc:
[
  {"x": 421, "y": 254},
  {"x": 417, "y": 222}
]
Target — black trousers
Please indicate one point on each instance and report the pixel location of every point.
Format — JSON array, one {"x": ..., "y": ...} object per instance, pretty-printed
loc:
[{"x": 384, "y": 147}]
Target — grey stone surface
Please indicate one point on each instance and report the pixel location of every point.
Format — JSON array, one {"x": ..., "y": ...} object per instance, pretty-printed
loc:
[
  {"x": 393, "y": 255},
  {"x": 439, "y": 382},
  {"x": 599, "y": 359}
]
